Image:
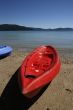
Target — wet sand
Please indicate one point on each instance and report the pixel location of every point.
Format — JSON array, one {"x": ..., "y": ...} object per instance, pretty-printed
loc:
[{"x": 58, "y": 95}]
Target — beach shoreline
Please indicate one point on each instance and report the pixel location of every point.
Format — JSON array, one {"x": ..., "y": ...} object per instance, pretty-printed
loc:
[{"x": 59, "y": 95}]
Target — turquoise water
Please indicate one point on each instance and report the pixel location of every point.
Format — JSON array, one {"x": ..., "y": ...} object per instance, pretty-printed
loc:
[{"x": 31, "y": 39}]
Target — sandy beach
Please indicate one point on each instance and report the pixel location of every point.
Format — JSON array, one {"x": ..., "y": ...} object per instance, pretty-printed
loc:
[{"x": 57, "y": 96}]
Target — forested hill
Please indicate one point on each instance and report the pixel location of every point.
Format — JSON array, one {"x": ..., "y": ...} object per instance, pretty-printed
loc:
[{"x": 14, "y": 27}]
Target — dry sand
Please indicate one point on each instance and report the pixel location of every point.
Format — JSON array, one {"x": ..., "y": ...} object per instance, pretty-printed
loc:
[{"x": 58, "y": 95}]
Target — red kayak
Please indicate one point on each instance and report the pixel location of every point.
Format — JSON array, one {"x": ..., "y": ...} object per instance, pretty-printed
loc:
[{"x": 38, "y": 69}]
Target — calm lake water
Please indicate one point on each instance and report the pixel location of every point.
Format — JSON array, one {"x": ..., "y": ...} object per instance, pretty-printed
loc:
[{"x": 31, "y": 39}]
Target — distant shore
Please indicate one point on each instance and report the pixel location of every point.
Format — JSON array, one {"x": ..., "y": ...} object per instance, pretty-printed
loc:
[
  {"x": 14, "y": 27},
  {"x": 59, "y": 95}
]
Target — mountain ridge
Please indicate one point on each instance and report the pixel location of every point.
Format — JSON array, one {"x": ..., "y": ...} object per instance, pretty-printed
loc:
[{"x": 15, "y": 27}]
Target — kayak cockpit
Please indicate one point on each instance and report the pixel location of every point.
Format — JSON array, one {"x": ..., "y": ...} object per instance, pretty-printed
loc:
[{"x": 39, "y": 63}]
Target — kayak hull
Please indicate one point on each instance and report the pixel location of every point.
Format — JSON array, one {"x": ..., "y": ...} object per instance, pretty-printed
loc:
[
  {"x": 5, "y": 51},
  {"x": 32, "y": 80}
]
